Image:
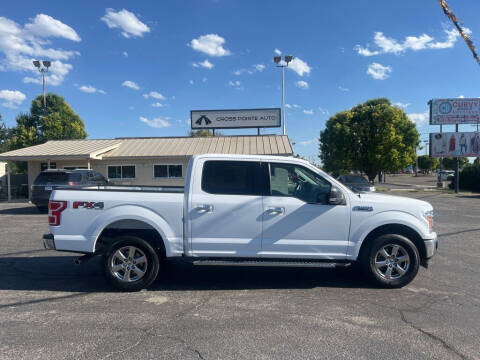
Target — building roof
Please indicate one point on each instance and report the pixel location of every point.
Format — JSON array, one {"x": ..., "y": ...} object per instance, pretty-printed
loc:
[{"x": 129, "y": 148}]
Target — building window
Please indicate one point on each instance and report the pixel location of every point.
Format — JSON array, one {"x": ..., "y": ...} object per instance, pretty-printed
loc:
[
  {"x": 167, "y": 171},
  {"x": 44, "y": 166},
  {"x": 121, "y": 171}
]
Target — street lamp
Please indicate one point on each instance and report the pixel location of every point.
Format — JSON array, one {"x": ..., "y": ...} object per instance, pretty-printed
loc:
[
  {"x": 278, "y": 60},
  {"x": 43, "y": 69}
]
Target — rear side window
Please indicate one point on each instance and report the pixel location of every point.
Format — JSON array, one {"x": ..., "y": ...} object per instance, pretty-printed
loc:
[
  {"x": 234, "y": 177},
  {"x": 75, "y": 177},
  {"x": 52, "y": 177}
]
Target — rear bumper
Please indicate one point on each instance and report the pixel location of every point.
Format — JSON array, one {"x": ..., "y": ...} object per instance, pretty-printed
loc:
[
  {"x": 431, "y": 246},
  {"x": 49, "y": 242}
]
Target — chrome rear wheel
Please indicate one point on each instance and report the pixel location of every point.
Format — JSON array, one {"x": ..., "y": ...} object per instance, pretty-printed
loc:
[{"x": 128, "y": 264}]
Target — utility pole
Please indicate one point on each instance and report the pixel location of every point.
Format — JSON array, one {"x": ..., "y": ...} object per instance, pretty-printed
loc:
[
  {"x": 278, "y": 60},
  {"x": 43, "y": 70}
]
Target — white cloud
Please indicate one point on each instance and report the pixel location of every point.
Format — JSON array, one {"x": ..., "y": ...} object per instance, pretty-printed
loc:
[
  {"x": 190, "y": 82},
  {"x": 157, "y": 104},
  {"x": 306, "y": 142},
  {"x": 379, "y": 71},
  {"x": 308, "y": 112},
  {"x": 296, "y": 106},
  {"x": 299, "y": 66},
  {"x": 419, "y": 118},
  {"x": 21, "y": 45},
  {"x": 288, "y": 106},
  {"x": 237, "y": 85},
  {"x": 205, "y": 64},
  {"x": 278, "y": 52},
  {"x": 461, "y": 97},
  {"x": 90, "y": 89},
  {"x": 204, "y": 79},
  {"x": 323, "y": 111},
  {"x": 126, "y": 21},
  {"x": 131, "y": 84},
  {"x": 156, "y": 122},
  {"x": 210, "y": 44},
  {"x": 12, "y": 98},
  {"x": 341, "y": 88},
  {"x": 155, "y": 95},
  {"x": 131, "y": 108},
  {"x": 402, "y": 105},
  {"x": 46, "y": 26},
  {"x": 386, "y": 45},
  {"x": 302, "y": 85},
  {"x": 255, "y": 68},
  {"x": 125, "y": 54}
]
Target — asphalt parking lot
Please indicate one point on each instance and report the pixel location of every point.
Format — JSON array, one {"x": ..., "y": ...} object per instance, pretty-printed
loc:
[{"x": 53, "y": 309}]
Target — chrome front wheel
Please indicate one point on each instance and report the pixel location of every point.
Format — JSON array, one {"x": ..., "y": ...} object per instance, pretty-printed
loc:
[{"x": 392, "y": 261}]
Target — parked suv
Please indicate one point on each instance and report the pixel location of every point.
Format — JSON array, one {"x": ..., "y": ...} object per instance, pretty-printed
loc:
[
  {"x": 47, "y": 180},
  {"x": 356, "y": 183}
]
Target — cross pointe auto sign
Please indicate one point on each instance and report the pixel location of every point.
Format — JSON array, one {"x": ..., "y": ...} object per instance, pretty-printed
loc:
[
  {"x": 230, "y": 119},
  {"x": 454, "y": 111}
]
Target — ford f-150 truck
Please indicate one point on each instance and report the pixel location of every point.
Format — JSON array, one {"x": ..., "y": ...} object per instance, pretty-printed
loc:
[{"x": 243, "y": 210}]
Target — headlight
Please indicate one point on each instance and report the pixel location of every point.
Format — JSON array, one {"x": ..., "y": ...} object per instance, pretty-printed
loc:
[
  {"x": 428, "y": 215},
  {"x": 372, "y": 188}
]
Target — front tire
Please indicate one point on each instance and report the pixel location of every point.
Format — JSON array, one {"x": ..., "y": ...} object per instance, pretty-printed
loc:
[
  {"x": 391, "y": 261},
  {"x": 131, "y": 264}
]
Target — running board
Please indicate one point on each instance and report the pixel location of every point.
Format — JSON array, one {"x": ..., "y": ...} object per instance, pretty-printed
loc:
[{"x": 273, "y": 263}]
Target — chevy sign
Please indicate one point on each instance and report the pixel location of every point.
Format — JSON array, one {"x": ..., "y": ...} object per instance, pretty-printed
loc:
[
  {"x": 232, "y": 119},
  {"x": 454, "y": 111}
]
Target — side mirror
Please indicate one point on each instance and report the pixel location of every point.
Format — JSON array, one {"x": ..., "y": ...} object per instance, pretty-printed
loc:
[{"x": 336, "y": 197}]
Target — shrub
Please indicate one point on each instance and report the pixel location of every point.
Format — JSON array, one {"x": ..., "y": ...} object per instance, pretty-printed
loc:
[{"x": 470, "y": 178}]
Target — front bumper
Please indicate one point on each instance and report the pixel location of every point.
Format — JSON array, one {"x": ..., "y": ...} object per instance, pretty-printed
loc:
[
  {"x": 431, "y": 246},
  {"x": 49, "y": 242}
]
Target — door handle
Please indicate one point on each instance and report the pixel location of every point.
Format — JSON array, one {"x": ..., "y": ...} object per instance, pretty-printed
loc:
[
  {"x": 275, "y": 210},
  {"x": 203, "y": 208}
]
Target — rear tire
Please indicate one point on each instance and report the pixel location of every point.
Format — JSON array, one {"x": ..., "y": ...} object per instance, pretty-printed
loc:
[
  {"x": 390, "y": 261},
  {"x": 130, "y": 263}
]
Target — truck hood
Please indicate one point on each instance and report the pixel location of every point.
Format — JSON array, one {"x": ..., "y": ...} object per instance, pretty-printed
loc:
[{"x": 382, "y": 202}]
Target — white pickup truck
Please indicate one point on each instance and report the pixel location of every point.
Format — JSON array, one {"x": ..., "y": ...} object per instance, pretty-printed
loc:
[{"x": 243, "y": 210}]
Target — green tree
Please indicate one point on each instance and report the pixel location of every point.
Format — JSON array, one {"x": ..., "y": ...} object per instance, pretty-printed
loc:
[
  {"x": 426, "y": 162},
  {"x": 449, "y": 163},
  {"x": 57, "y": 122},
  {"x": 203, "y": 133},
  {"x": 370, "y": 137},
  {"x": 4, "y": 136}
]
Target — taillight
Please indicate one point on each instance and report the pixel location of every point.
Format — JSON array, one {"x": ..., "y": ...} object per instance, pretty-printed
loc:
[
  {"x": 55, "y": 209},
  {"x": 73, "y": 183}
]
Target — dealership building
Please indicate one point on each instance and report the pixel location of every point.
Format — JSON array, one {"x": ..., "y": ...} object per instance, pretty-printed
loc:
[{"x": 160, "y": 161}]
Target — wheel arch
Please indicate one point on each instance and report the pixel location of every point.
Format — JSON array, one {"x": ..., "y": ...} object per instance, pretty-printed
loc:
[
  {"x": 131, "y": 227},
  {"x": 398, "y": 229}
]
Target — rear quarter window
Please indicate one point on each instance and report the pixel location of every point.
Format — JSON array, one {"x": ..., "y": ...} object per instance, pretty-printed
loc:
[{"x": 234, "y": 177}]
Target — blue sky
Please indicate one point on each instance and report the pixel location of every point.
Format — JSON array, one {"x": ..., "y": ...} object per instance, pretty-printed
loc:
[{"x": 132, "y": 68}]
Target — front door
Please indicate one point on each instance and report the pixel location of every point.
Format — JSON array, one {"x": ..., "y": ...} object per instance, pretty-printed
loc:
[
  {"x": 298, "y": 221},
  {"x": 226, "y": 213}
]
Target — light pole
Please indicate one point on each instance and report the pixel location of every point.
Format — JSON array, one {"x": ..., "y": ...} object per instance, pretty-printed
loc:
[
  {"x": 43, "y": 69},
  {"x": 278, "y": 60}
]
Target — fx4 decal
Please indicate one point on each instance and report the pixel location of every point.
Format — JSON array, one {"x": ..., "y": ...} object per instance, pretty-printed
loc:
[{"x": 87, "y": 205}]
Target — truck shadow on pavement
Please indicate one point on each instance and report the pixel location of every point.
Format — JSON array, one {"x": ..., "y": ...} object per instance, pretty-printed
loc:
[{"x": 59, "y": 273}]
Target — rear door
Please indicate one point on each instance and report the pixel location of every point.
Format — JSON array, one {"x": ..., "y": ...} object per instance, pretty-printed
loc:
[
  {"x": 298, "y": 221},
  {"x": 226, "y": 209}
]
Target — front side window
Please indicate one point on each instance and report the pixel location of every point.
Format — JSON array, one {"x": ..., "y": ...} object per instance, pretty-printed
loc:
[
  {"x": 300, "y": 182},
  {"x": 233, "y": 177},
  {"x": 167, "y": 171},
  {"x": 121, "y": 171}
]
